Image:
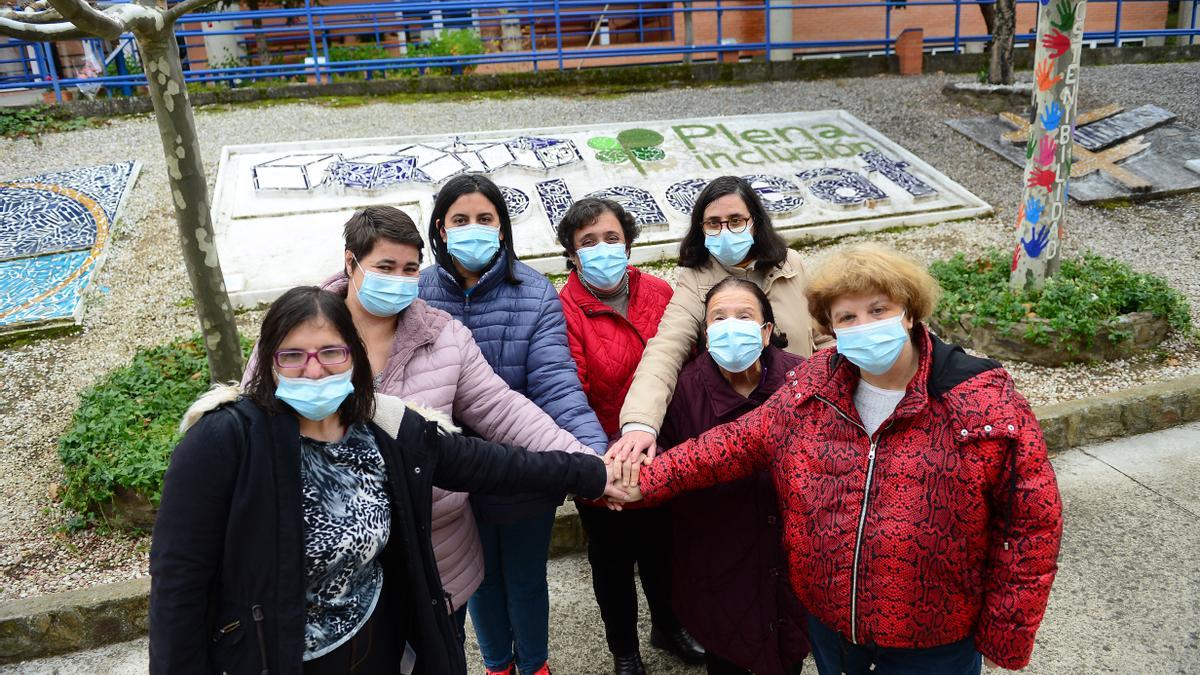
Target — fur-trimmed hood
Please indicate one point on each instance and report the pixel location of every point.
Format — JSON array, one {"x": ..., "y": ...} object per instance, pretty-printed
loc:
[{"x": 389, "y": 410}]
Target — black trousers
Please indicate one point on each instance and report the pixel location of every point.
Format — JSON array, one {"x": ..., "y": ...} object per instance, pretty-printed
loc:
[
  {"x": 617, "y": 541},
  {"x": 376, "y": 649}
]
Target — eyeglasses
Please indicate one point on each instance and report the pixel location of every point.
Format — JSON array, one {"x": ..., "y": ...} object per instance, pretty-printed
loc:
[
  {"x": 298, "y": 358},
  {"x": 736, "y": 225}
]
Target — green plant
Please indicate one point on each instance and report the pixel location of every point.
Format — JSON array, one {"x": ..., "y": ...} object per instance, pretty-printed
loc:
[
  {"x": 460, "y": 42},
  {"x": 359, "y": 52},
  {"x": 1087, "y": 294},
  {"x": 126, "y": 426},
  {"x": 39, "y": 120},
  {"x": 132, "y": 67}
]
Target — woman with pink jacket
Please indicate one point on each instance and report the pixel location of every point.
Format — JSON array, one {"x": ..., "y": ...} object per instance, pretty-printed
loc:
[{"x": 424, "y": 356}]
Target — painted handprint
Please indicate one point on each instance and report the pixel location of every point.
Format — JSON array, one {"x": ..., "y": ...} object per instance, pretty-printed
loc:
[
  {"x": 1052, "y": 116},
  {"x": 1066, "y": 16},
  {"x": 1033, "y": 210},
  {"x": 1043, "y": 178},
  {"x": 1047, "y": 149},
  {"x": 1039, "y": 237},
  {"x": 1016, "y": 257},
  {"x": 1056, "y": 43},
  {"x": 1029, "y": 147},
  {"x": 1042, "y": 74},
  {"x": 1020, "y": 215}
]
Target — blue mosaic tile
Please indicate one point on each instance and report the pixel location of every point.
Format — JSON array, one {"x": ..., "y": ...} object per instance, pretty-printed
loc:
[
  {"x": 53, "y": 231},
  {"x": 43, "y": 289},
  {"x": 108, "y": 184},
  {"x": 37, "y": 221}
]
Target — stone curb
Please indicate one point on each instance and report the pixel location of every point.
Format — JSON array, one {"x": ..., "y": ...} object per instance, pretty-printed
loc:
[{"x": 92, "y": 617}]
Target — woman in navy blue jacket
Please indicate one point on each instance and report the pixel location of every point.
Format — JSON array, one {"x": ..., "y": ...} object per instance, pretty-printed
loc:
[{"x": 516, "y": 317}]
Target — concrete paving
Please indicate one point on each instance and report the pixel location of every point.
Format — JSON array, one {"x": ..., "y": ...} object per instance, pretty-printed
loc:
[{"x": 1126, "y": 600}]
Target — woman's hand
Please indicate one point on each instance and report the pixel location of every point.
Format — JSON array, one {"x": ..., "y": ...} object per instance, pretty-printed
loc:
[
  {"x": 612, "y": 491},
  {"x": 633, "y": 494},
  {"x": 629, "y": 452},
  {"x": 991, "y": 665}
]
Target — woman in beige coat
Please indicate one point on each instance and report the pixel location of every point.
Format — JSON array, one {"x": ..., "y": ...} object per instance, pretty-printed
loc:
[{"x": 730, "y": 235}]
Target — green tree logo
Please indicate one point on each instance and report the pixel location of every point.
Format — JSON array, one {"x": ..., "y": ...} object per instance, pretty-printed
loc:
[{"x": 631, "y": 145}]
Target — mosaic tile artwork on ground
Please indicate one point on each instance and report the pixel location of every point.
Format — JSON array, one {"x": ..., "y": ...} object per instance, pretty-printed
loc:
[
  {"x": 54, "y": 231},
  {"x": 278, "y": 208},
  {"x": 1117, "y": 154}
]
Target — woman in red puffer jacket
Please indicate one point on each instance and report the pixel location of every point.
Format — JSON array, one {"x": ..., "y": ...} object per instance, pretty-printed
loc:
[
  {"x": 612, "y": 310},
  {"x": 921, "y": 515}
]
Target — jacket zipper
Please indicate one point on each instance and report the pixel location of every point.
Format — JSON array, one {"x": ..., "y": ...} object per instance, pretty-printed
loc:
[
  {"x": 226, "y": 630},
  {"x": 862, "y": 516},
  {"x": 257, "y": 612}
]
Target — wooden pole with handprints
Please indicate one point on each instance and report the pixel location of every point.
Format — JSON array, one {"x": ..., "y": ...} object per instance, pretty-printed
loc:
[{"x": 1042, "y": 211}]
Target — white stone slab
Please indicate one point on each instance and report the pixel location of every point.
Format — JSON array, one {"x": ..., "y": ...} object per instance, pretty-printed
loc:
[{"x": 272, "y": 239}]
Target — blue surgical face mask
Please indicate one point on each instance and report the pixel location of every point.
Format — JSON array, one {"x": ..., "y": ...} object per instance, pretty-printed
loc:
[
  {"x": 728, "y": 247},
  {"x": 474, "y": 245},
  {"x": 315, "y": 399},
  {"x": 875, "y": 346},
  {"x": 735, "y": 344},
  {"x": 602, "y": 266},
  {"x": 385, "y": 294}
]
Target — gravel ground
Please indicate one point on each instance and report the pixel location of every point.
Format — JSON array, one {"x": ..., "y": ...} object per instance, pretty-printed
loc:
[{"x": 144, "y": 281}]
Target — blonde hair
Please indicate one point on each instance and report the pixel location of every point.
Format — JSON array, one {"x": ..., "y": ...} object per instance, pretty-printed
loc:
[{"x": 871, "y": 268}]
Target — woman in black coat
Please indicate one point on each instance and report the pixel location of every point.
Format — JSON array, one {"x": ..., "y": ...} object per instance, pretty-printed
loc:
[{"x": 293, "y": 533}]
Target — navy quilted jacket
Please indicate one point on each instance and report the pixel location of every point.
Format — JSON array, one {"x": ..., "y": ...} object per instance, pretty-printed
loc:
[{"x": 522, "y": 333}]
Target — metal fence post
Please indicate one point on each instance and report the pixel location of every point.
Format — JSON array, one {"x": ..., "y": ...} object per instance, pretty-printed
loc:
[
  {"x": 558, "y": 33},
  {"x": 312, "y": 41},
  {"x": 51, "y": 70},
  {"x": 689, "y": 34},
  {"x": 1117, "y": 25},
  {"x": 957, "y": 23},
  {"x": 887, "y": 28}
]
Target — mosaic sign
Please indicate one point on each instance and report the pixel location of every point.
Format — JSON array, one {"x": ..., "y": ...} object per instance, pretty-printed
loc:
[
  {"x": 54, "y": 231},
  {"x": 278, "y": 209}
]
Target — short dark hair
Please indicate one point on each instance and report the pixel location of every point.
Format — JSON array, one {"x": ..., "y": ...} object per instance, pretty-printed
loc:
[
  {"x": 769, "y": 249},
  {"x": 778, "y": 337},
  {"x": 585, "y": 212},
  {"x": 293, "y": 308},
  {"x": 456, "y": 187},
  {"x": 368, "y": 225}
]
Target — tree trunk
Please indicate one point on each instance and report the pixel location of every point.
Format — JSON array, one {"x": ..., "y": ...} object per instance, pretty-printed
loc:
[
  {"x": 1000, "y": 65},
  {"x": 262, "y": 53},
  {"x": 189, "y": 192},
  {"x": 1042, "y": 211}
]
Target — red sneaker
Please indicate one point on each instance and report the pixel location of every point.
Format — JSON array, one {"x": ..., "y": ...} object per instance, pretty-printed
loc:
[
  {"x": 544, "y": 670},
  {"x": 510, "y": 669}
]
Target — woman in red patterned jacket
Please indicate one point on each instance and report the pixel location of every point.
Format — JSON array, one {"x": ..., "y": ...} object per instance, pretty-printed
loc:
[
  {"x": 922, "y": 519},
  {"x": 612, "y": 310}
]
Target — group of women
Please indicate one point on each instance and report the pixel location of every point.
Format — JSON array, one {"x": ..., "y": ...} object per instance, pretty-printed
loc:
[{"x": 402, "y": 437}]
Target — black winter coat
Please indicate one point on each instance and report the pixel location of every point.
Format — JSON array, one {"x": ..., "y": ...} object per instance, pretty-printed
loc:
[{"x": 227, "y": 559}]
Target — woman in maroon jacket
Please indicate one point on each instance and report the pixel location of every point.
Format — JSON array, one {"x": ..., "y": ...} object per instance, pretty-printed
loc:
[
  {"x": 612, "y": 309},
  {"x": 730, "y": 589},
  {"x": 921, "y": 517}
]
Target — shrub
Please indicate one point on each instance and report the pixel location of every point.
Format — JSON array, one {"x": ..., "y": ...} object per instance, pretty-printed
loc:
[
  {"x": 35, "y": 121},
  {"x": 1083, "y": 296},
  {"x": 127, "y": 425},
  {"x": 451, "y": 43}
]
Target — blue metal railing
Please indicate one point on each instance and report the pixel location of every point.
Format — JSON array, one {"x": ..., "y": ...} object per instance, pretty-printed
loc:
[{"x": 303, "y": 42}]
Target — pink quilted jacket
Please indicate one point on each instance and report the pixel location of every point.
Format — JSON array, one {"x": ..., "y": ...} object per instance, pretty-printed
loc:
[{"x": 435, "y": 363}]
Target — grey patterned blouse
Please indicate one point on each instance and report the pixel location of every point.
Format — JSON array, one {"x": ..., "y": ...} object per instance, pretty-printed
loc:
[{"x": 347, "y": 521}]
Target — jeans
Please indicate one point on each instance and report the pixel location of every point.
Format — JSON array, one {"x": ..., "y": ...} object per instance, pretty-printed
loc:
[
  {"x": 375, "y": 649},
  {"x": 511, "y": 609},
  {"x": 618, "y": 540},
  {"x": 834, "y": 654}
]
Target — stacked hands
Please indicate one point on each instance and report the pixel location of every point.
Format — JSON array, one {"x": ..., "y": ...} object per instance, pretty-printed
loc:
[{"x": 625, "y": 459}]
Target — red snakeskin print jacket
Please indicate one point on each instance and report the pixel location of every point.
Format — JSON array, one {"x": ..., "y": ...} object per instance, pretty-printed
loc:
[{"x": 945, "y": 524}]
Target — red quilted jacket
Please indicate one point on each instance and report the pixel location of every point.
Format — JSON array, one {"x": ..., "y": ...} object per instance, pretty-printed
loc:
[
  {"x": 946, "y": 524},
  {"x": 607, "y": 347}
]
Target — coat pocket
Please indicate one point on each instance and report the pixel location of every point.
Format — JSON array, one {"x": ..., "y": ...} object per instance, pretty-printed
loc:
[{"x": 227, "y": 649}]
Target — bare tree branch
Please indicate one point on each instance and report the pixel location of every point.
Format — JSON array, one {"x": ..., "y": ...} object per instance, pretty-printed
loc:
[
  {"x": 34, "y": 17},
  {"x": 40, "y": 32},
  {"x": 89, "y": 19},
  {"x": 186, "y": 6}
]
